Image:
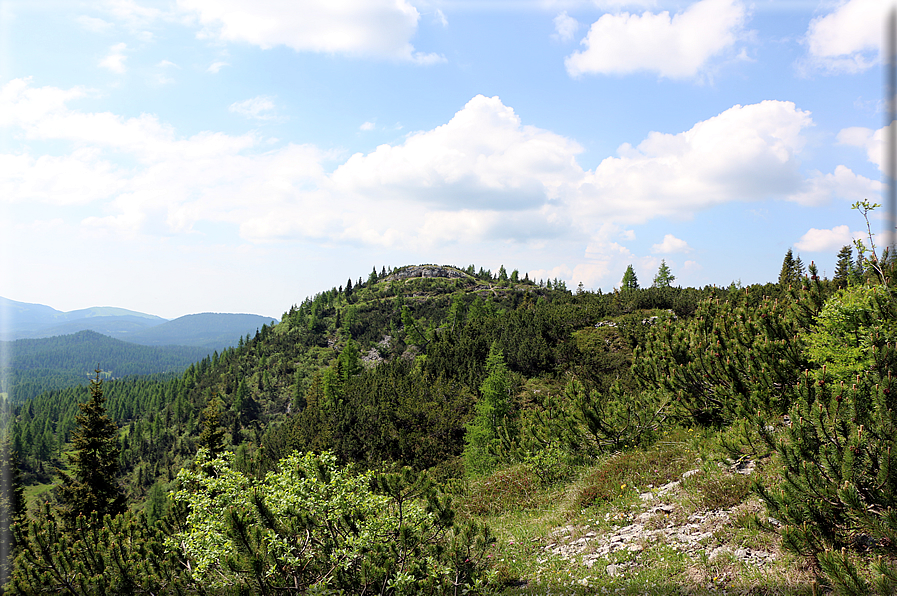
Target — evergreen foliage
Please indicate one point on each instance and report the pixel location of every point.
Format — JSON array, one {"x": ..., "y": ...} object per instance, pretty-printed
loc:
[
  {"x": 630, "y": 280},
  {"x": 664, "y": 277},
  {"x": 92, "y": 486},
  {"x": 844, "y": 270},
  {"x": 792, "y": 271},
  {"x": 492, "y": 415},
  {"x": 840, "y": 476},
  {"x": 12, "y": 507},
  {"x": 122, "y": 555}
]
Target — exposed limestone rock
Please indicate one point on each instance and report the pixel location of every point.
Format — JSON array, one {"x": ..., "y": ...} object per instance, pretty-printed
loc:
[
  {"x": 425, "y": 271},
  {"x": 666, "y": 523}
]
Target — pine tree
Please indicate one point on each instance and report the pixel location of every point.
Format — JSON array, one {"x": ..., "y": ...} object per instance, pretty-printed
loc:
[
  {"x": 629, "y": 281},
  {"x": 91, "y": 484},
  {"x": 664, "y": 278}
]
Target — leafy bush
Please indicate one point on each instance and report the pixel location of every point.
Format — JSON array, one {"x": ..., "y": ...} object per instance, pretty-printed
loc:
[
  {"x": 314, "y": 526},
  {"x": 551, "y": 465}
]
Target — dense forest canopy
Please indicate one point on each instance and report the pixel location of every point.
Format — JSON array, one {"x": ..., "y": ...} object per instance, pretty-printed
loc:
[{"x": 411, "y": 380}]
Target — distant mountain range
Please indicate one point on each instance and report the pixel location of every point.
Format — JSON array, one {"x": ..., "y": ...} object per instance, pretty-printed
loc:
[{"x": 212, "y": 331}]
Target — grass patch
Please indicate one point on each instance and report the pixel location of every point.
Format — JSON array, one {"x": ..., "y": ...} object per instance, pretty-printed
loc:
[
  {"x": 33, "y": 493},
  {"x": 716, "y": 488},
  {"x": 508, "y": 490},
  {"x": 663, "y": 464}
]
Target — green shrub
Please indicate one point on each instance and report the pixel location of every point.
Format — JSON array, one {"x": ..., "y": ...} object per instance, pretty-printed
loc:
[
  {"x": 551, "y": 465},
  {"x": 313, "y": 525}
]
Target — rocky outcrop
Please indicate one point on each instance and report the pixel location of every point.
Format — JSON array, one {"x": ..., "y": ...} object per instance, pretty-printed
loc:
[{"x": 425, "y": 271}]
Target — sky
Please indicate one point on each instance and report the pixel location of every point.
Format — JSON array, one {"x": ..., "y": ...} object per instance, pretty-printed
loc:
[{"x": 189, "y": 156}]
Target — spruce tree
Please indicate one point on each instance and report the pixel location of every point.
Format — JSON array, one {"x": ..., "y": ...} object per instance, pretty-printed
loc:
[
  {"x": 789, "y": 275},
  {"x": 212, "y": 435},
  {"x": 91, "y": 484},
  {"x": 844, "y": 268}
]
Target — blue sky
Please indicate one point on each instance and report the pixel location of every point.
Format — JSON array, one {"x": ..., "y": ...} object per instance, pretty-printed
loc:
[{"x": 240, "y": 155}]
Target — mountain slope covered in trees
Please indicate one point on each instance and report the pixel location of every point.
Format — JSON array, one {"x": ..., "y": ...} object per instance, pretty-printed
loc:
[{"x": 478, "y": 384}]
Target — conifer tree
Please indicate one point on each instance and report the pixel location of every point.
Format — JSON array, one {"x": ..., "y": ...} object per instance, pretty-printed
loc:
[
  {"x": 212, "y": 435},
  {"x": 492, "y": 413},
  {"x": 12, "y": 507},
  {"x": 840, "y": 478},
  {"x": 629, "y": 281},
  {"x": 664, "y": 278},
  {"x": 91, "y": 485},
  {"x": 792, "y": 270},
  {"x": 844, "y": 268}
]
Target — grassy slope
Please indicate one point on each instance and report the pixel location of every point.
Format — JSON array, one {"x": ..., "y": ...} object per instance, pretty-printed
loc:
[{"x": 708, "y": 535}]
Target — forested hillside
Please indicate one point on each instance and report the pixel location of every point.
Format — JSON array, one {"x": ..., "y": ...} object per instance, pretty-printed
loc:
[
  {"x": 425, "y": 382},
  {"x": 36, "y": 366}
]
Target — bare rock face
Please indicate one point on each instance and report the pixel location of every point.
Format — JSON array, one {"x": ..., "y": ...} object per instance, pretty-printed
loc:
[{"x": 425, "y": 271}]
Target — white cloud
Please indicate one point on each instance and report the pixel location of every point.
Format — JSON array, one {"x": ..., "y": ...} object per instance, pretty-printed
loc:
[
  {"x": 826, "y": 240},
  {"x": 115, "y": 60},
  {"x": 167, "y": 64},
  {"x": 670, "y": 244},
  {"x": 482, "y": 176},
  {"x": 847, "y": 39},
  {"x": 842, "y": 184},
  {"x": 440, "y": 18},
  {"x": 75, "y": 179},
  {"x": 483, "y": 157},
  {"x": 677, "y": 46},
  {"x": 565, "y": 27},
  {"x": 94, "y": 24},
  {"x": 133, "y": 13},
  {"x": 745, "y": 153},
  {"x": 873, "y": 141},
  {"x": 367, "y": 126},
  {"x": 616, "y": 5},
  {"x": 379, "y": 28},
  {"x": 216, "y": 66},
  {"x": 257, "y": 108}
]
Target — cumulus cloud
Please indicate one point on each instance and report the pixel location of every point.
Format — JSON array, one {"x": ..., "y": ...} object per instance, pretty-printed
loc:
[
  {"x": 842, "y": 183},
  {"x": 258, "y": 108},
  {"x": 565, "y": 27},
  {"x": 367, "y": 126},
  {"x": 826, "y": 240},
  {"x": 670, "y": 244},
  {"x": 746, "y": 153},
  {"x": 379, "y": 28},
  {"x": 873, "y": 141},
  {"x": 848, "y": 39},
  {"x": 484, "y": 175},
  {"x": 677, "y": 46},
  {"x": 115, "y": 59},
  {"x": 484, "y": 157}
]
